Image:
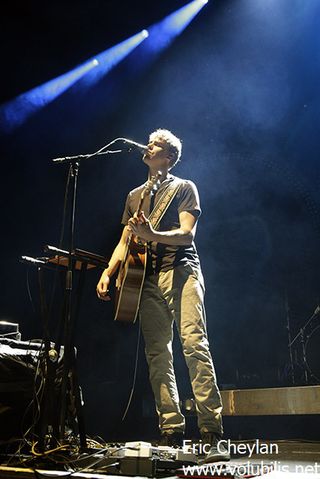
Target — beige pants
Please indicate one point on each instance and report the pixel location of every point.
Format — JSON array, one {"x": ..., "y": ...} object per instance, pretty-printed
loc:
[{"x": 177, "y": 295}]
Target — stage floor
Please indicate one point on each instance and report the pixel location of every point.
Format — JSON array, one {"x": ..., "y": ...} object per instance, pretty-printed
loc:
[{"x": 285, "y": 459}]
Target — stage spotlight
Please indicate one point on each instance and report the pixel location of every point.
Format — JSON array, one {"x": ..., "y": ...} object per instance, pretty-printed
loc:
[
  {"x": 17, "y": 111},
  {"x": 162, "y": 34},
  {"x": 179, "y": 20},
  {"x": 111, "y": 57}
]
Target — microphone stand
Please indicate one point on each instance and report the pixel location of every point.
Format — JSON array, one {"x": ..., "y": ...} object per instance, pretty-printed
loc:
[
  {"x": 69, "y": 363},
  {"x": 290, "y": 343},
  {"x": 303, "y": 343}
]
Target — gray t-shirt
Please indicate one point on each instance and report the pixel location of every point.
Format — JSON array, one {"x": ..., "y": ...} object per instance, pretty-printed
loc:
[{"x": 162, "y": 257}]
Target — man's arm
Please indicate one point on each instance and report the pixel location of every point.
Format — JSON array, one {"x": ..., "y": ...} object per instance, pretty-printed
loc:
[
  {"x": 116, "y": 258},
  {"x": 182, "y": 236}
]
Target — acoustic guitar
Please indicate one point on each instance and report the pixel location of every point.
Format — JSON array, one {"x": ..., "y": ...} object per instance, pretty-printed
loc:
[{"x": 132, "y": 268}]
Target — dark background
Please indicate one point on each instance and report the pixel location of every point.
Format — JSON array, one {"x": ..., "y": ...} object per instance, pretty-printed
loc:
[{"x": 240, "y": 86}]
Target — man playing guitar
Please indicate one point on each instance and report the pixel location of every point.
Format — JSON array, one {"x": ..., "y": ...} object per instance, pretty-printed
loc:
[{"x": 172, "y": 291}]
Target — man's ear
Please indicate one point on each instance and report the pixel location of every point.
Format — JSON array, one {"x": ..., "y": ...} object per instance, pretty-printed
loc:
[{"x": 170, "y": 158}]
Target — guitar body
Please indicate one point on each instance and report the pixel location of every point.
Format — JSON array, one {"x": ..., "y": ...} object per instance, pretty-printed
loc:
[
  {"x": 130, "y": 282},
  {"x": 133, "y": 269}
]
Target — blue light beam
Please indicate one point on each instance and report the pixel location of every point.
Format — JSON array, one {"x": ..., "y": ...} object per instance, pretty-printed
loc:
[
  {"x": 15, "y": 112},
  {"x": 111, "y": 57},
  {"x": 162, "y": 34},
  {"x": 18, "y": 110}
]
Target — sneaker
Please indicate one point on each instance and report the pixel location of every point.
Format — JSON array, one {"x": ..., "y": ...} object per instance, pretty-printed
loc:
[
  {"x": 174, "y": 439},
  {"x": 217, "y": 451}
]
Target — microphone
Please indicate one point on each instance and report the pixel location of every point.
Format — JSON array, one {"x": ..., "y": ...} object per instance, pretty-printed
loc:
[{"x": 135, "y": 145}]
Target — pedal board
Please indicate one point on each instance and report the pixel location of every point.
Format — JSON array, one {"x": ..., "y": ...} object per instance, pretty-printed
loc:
[{"x": 137, "y": 458}]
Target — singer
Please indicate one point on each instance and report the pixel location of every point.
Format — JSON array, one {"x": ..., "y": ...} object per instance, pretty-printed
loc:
[{"x": 173, "y": 291}]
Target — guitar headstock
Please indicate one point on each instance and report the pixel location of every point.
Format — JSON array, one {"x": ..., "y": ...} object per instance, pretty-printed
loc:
[{"x": 152, "y": 184}]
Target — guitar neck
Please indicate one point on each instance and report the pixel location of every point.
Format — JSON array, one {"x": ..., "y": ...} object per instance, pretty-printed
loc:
[
  {"x": 139, "y": 207},
  {"x": 146, "y": 191}
]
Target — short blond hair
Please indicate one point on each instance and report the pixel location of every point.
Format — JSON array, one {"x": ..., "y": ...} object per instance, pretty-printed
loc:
[{"x": 174, "y": 143}]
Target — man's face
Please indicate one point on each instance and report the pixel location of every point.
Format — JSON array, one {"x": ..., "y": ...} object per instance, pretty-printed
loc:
[{"x": 158, "y": 154}]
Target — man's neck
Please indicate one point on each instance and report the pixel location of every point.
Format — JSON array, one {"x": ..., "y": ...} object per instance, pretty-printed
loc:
[{"x": 154, "y": 172}]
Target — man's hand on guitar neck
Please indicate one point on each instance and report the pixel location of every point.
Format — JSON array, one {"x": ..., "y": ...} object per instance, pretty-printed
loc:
[{"x": 103, "y": 287}]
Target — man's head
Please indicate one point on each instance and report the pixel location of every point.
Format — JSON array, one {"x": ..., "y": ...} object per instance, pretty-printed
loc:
[{"x": 170, "y": 145}]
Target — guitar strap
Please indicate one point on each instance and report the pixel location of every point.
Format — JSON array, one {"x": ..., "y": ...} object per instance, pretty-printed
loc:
[{"x": 164, "y": 202}]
